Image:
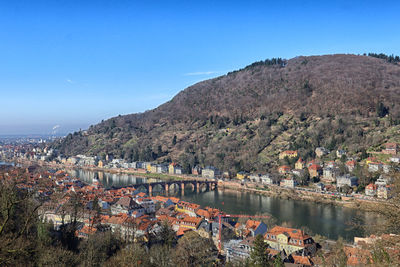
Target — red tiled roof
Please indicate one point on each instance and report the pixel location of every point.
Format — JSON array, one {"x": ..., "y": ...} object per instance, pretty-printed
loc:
[{"x": 302, "y": 260}]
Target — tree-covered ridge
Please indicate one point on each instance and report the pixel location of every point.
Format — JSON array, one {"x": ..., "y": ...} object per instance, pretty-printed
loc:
[{"x": 241, "y": 121}]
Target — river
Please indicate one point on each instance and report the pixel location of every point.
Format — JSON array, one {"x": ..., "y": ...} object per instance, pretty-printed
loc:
[{"x": 324, "y": 219}]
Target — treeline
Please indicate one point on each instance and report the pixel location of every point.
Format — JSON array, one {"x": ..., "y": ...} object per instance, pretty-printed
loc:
[
  {"x": 389, "y": 58},
  {"x": 268, "y": 62}
]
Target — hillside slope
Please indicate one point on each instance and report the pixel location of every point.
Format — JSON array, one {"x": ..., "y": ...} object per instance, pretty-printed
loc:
[{"x": 241, "y": 120}]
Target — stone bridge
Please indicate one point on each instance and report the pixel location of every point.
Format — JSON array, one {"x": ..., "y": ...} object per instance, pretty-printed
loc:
[{"x": 196, "y": 185}]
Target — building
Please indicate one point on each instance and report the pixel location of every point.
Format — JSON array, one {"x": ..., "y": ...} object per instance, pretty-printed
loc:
[
  {"x": 371, "y": 189},
  {"x": 251, "y": 228},
  {"x": 161, "y": 168},
  {"x": 288, "y": 153},
  {"x": 346, "y": 180},
  {"x": 383, "y": 180},
  {"x": 375, "y": 166},
  {"x": 266, "y": 179},
  {"x": 383, "y": 192},
  {"x": 255, "y": 178},
  {"x": 284, "y": 169},
  {"x": 321, "y": 151},
  {"x": 340, "y": 153},
  {"x": 196, "y": 170},
  {"x": 300, "y": 164},
  {"x": 290, "y": 240},
  {"x": 126, "y": 205},
  {"x": 210, "y": 172},
  {"x": 395, "y": 159},
  {"x": 242, "y": 175},
  {"x": 299, "y": 173},
  {"x": 187, "y": 207},
  {"x": 315, "y": 170},
  {"x": 147, "y": 203},
  {"x": 238, "y": 250},
  {"x": 390, "y": 148},
  {"x": 289, "y": 182},
  {"x": 351, "y": 164},
  {"x": 330, "y": 174},
  {"x": 174, "y": 168}
]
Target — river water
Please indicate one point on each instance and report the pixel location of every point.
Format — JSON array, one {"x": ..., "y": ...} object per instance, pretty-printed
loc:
[{"x": 324, "y": 219}]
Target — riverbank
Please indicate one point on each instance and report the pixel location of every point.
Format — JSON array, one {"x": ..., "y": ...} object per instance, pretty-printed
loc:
[
  {"x": 270, "y": 190},
  {"x": 292, "y": 194}
]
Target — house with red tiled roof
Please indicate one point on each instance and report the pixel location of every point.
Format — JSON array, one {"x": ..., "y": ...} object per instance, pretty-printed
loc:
[
  {"x": 284, "y": 169},
  {"x": 187, "y": 207},
  {"x": 190, "y": 222},
  {"x": 290, "y": 240},
  {"x": 315, "y": 170},
  {"x": 351, "y": 164},
  {"x": 371, "y": 189},
  {"x": 302, "y": 260},
  {"x": 85, "y": 231}
]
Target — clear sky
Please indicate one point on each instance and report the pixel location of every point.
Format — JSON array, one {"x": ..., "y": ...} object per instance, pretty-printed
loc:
[{"x": 73, "y": 63}]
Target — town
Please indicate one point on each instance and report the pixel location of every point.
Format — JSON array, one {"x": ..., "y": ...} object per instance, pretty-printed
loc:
[
  {"x": 330, "y": 173},
  {"x": 136, "y": 215}
]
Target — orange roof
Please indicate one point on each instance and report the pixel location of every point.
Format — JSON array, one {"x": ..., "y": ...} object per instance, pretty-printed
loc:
[
  {"x": 87, "y": 230},
  {"x": 351, "y": 162},
  {"x": 192, "y": 220},
  {"x": 141, "y": 194},
  {"x": 302, "y": 260},
  {"x": 252, "y": 224},
  {"x": 203, "y": 213},
  {"x": 371, "y": 186},
  {"x": 291, "y": 232},
  {"x": 284, "y": 167},
  {"x": 182, "y": 230},
  {"x": 174, "y": 199},
  {"x": 315, "y": 167}
]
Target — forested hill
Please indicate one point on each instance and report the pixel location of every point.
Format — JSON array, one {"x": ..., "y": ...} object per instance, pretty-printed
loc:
[{"x": 241, "y": 120}]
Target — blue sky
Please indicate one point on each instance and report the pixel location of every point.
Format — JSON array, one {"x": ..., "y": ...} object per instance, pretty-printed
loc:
[{"x": 74, "y": 63}]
